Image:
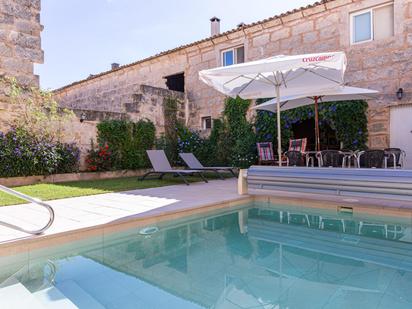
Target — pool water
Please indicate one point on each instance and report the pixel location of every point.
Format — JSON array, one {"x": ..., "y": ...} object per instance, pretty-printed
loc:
[{"x": 257, "y": 256}]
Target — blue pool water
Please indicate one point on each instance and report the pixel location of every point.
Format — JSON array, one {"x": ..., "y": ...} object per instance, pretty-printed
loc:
[{"x": 257, "y": 256}]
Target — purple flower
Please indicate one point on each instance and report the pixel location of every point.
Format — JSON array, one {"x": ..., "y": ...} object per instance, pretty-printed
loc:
[{"x": 17, "y": 152}]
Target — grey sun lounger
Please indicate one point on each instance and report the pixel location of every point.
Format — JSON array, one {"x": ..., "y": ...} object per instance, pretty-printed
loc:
[
  {"x": 162, "y": 167},
  {"x": 193, "y": 163}
]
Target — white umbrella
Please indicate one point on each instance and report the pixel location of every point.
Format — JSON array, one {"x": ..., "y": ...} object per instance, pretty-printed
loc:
[
  {"x": 280, "y": 75},
  {"x": 345, "y": 93}
]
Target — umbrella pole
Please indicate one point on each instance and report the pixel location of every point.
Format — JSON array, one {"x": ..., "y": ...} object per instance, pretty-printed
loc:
[
  {"x": 279, "y": 127},
  {"x": 317, "y": 124}
]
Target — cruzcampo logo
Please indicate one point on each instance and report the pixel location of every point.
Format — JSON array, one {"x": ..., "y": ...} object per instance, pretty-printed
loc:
[{"x": 317, "y": 58}]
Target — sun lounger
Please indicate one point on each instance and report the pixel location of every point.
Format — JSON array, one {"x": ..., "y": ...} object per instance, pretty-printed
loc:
[
  {"x": 193, "y": 163},
  {"x": 162, "y": 167}
]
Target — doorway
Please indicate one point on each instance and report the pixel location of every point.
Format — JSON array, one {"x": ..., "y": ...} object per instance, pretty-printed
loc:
[
  {"x": 401, "y": 131},
  {"x": 306, "y": 128}
]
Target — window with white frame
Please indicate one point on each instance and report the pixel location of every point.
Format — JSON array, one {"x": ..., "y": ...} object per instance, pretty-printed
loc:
[
  {"x": 233, "y": 55},
  {"x": 206, "y": 122},
  {"x": 372, "y": 24}
]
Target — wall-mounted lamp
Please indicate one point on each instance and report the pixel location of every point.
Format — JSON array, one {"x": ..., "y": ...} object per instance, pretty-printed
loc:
[
  {"x": 399, "y": 94},
  {"x": 83, "y": 117}
]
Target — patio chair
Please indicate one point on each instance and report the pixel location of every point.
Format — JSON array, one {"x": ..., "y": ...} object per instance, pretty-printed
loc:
[
  {"x": 298, "y": 144},
  {"x": 372, "y": 158},
  {"x": 162, "y": 166},
  {"x": 395, "y": 157},
  {"x": 193, "y": 163},
  {"x": 330, "y": 158},
  {"x": 265, "y": 152},
  {"x": 294, "y": 158}
]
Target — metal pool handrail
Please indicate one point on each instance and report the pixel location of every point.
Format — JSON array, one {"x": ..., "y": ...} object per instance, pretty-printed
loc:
[{"x": 32, "y": 200}]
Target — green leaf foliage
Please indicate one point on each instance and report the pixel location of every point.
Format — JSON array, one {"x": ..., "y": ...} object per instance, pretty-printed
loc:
[
  {"x": 232, "y": 140},
  {"x": 23, "y": 153},
  {"x": 348, "y": 119},
  {"x": 127, "y": 141}
]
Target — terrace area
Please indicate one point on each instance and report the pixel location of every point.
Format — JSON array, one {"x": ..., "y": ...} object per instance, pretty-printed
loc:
[{"x": 245, "y": 170}]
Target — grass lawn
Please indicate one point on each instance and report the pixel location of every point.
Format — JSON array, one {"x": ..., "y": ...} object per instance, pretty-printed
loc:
[{"x": 46, "y": 191}]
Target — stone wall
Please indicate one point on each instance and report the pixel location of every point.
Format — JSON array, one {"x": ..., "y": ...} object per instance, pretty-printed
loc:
[
  {"x": 137, "y": 102},
  {"x": 384, "y": 65},
  {"x": 20, "y": 47}
]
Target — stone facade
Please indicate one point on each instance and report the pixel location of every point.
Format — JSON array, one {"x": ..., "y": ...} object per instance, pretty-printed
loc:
[
  {"x": 383, "y": 65},
  {"x": 20, "y": 47},
  {"x": 20, "y": 43},
  {"x": 138, "y": 102}
]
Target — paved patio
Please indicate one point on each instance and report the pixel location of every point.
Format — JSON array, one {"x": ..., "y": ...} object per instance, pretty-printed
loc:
[{"x": 88, "y": 211}]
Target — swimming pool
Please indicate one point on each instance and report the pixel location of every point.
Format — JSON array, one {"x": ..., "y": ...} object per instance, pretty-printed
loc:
[{"x": 258, "y": 255}]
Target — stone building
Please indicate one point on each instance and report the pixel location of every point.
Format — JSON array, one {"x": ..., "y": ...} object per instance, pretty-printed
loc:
[
  {"x": 20, "y": 46},
  {"x": 20, "y": 43},
  {"x": 375, "y": 34}
]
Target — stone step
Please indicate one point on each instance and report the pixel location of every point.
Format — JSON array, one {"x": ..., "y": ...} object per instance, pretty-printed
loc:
[
  {"x": 78, "y": 296},
  {"x": 52, "y": 298},
  {"x": 16, "y": 296}
]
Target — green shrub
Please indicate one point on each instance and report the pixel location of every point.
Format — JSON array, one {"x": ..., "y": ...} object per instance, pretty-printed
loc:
[
  {"x": 99, "y": 158},
  {"x": 171, "y": 130},
  {"x": 127, "y": 141},
  {"x": 220, "y": 149},
  {"x": 23, "y": 154},
  {"x": 69, "y": 156},
  {"x": 231, "y": 142},
  {"x": 241, "y": 137},
  {"x": 349, "y": 119},
  {"x": 190, "y": 141}
]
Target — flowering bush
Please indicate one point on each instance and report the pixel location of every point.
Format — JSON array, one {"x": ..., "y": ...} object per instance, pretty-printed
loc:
[
  {"x": 99, "y": 158},
  {"x": 231, "y": 142},
  {"x": 348, "y": 119},
  {"x": 188, "y": 140},
  {"x": 127, "y": 141},
  {"x": 22, "y": 154},
  {"x": 69, "y": 156}
]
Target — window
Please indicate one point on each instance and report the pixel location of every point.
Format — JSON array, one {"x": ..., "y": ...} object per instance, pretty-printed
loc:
[
  {"x": 372, "y": 24},
  {"x": 362, "y": 30},
  {"x": 233, "y": 56},
  {"x": 176, "y": 82},
  {"x": 206, "y": 122}
]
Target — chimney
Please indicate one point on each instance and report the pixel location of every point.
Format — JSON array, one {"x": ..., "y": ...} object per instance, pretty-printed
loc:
[
  {"x": 115, "y": 66},
  {"x": 214, "y": 26}
]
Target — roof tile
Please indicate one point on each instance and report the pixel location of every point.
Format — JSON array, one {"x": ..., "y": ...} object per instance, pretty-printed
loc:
[{"x": 287, "y": 16}]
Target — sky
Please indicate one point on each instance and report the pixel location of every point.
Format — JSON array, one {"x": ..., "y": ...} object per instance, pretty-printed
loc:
[{"x": 83, "y": 37}]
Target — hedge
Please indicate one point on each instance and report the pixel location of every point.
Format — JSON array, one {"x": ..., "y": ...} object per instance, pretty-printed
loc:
[
  {"x": 23, "y": 154},
  {"x": 122, "y": 144}
]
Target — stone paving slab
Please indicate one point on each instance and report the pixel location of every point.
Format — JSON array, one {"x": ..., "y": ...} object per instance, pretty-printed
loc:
[{"x": 87, "y": 211}]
